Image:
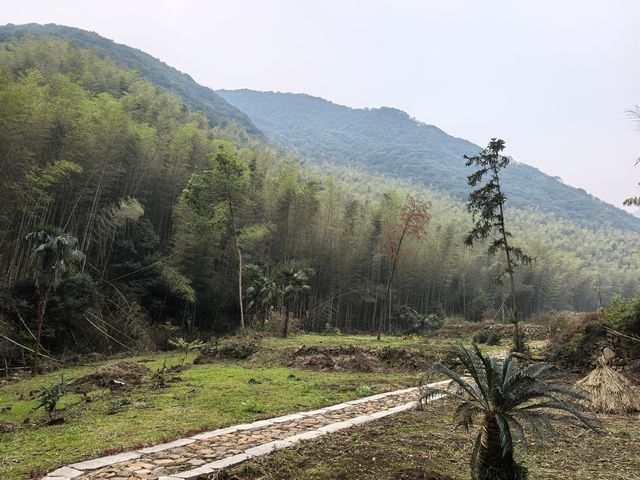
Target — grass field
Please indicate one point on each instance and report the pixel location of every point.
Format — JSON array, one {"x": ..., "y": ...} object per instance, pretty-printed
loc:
[{"x": 213, "y": 395}]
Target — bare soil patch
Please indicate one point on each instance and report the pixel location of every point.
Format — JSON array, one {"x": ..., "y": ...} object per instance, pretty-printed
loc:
[{"x": 358, "y": 359}]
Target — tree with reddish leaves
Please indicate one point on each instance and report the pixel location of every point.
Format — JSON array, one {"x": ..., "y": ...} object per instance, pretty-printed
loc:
[{"x": 414, "y": 219}]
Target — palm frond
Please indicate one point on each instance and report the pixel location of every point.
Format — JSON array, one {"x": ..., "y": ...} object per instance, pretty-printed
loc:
[
  {"x": 475, "y": 368},
  {"x": 506, "y": 441},
  {"x": 439, "y": 368},
  {"x": 516, "y": 426}
]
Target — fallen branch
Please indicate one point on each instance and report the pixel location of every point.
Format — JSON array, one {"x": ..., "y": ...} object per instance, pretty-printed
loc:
[
  {"x": 620, "y": 334},
  {"x": 29, "y": 349}
]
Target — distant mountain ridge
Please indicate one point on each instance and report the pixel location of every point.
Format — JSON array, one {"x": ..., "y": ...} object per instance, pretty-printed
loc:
[
  {"x": 389, "y": 141},
  {"x": 384, "y": 140},
  {"x": 196, "y": 96}
]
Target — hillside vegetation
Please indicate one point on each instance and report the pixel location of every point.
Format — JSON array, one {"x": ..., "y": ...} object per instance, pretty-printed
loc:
[
  {"x": 390, "y": 142},
  {"x": 195, "y": 96},
  {"x": 119, "y": 163}
]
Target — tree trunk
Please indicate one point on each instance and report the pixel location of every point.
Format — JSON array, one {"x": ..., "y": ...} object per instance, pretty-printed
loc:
[
  {"x": 242, "y": 328},
  {"x": 518, "y": 344},
  {"x": 237, "y": 242},
  {"x": 285, "y": 329},
  {"x": 42, "y": 306},
  {"x": 488, "y": 461}
]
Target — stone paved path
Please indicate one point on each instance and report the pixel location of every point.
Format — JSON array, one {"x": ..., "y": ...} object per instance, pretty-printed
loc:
[{"x": 193, "y": 457}]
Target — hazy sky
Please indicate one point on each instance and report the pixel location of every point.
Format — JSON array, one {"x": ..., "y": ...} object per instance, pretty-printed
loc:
[{"x": 553, "y": 78}]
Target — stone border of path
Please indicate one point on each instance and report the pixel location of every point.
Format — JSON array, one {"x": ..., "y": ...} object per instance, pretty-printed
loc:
[{"x": 75, "y": 470}]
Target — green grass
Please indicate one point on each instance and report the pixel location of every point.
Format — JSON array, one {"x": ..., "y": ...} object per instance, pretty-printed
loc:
[
  {"x": 411, "y": 342},
  {"x": 367, "y": 341},
  {"x": 213, "y": 395}
]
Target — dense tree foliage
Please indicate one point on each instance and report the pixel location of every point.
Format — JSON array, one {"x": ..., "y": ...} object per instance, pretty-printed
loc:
[
  {"x": 392, "y": 143},
  {"x": 197, "y": 97},
  {"x": 142, "y": 183}
]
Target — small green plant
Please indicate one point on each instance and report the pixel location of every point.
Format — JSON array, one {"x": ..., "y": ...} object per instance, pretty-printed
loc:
[
  {"x": 185, "y": 346},
  {"x": 331, "y": 330},
  {"x": 433, "y": 321},
  {"x": 487, "y": 338},
  {"x": 118, "y": 405},
  {"x": 49, "y": 397},
  {"x": 493, "y": 339},
  {"x": 251, "y": 406},
  {"x": 364, "y": 390},
  {"x": 481, "y": 337}
]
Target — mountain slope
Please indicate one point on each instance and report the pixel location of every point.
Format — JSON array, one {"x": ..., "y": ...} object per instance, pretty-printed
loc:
[
  {"x": 196, "y": 96},
  {"x": 389, "y": 141}
]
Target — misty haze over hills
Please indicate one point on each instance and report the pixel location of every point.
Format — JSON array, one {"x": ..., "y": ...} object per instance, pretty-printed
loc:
[{"x": 389, "y": 141}]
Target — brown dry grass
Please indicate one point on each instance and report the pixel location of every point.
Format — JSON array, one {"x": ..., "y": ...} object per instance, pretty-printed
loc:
[
  {"x": 609, "y": 391},
  {"x": 426, "y": 444}
]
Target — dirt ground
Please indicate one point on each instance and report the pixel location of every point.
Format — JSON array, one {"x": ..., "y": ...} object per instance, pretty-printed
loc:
[
  {"x": 425, "y": 445},
  {"x": 359, "y": 359}
]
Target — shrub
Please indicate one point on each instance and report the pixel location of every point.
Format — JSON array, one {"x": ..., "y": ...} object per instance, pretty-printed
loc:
[
  {"x": 494, "y": 339},
  {"x": 502, "y": 398},
  {"x": 573, "y": 346},
  {"x": 185, "y": 346},
  {"x": 481, "y": 337},
  {"x": 233, "y": 348},
  {"x": 624, "y": 316},
  {"x": 48, "y": 397},
  {"x": 331, "y": 329},
  {"x": 433, "y": 321}
]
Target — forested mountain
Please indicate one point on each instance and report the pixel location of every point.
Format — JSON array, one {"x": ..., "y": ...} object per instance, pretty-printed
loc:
[
  {"x": 389, "y": 141},
  {"x": 162, "y": 203},
  {"x": 194, "y": 95}
]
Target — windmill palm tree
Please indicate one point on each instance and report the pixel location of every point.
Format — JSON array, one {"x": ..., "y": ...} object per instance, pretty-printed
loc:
[
  {"x": 293, "y": 282},
  {"x": 54, "y": 252},
  {"x": 264, "y": 293},
  {"x": 506, "y": 400}
]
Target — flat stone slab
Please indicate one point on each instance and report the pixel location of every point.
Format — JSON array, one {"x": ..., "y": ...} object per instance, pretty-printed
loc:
[
  {"x": 105, "y": 461},
  {"x": 305, "y": 436},
  {"x": 214, "y": 433},
  {"x": 228, "y": 462},
  {"x": 266, "y": 448},
  {"x": 193, "y": 474},
  {"x": 66, "y": 472},
  {"x": 166, "y": 446}
]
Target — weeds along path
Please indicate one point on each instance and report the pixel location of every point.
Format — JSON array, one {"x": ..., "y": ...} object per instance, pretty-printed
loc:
[{"x": 197, "y": 456}]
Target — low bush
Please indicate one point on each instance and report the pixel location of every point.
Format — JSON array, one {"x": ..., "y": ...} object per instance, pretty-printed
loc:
[
  {"x": 624, "y": 316},
  {"x": 231, "y": 348},
  {"x": 487, "y": 337}
]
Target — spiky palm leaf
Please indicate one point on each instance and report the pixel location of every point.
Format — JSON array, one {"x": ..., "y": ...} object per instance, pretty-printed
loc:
[
  {"x": 508, "y": 400},
  {"x": 55, "y": 250}
]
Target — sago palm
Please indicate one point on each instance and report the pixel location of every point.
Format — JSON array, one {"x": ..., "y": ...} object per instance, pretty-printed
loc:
[{"x": 506, "y": 400}]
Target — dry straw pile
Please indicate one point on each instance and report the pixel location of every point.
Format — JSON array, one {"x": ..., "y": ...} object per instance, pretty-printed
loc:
[{"x": 609, "y": 391}]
